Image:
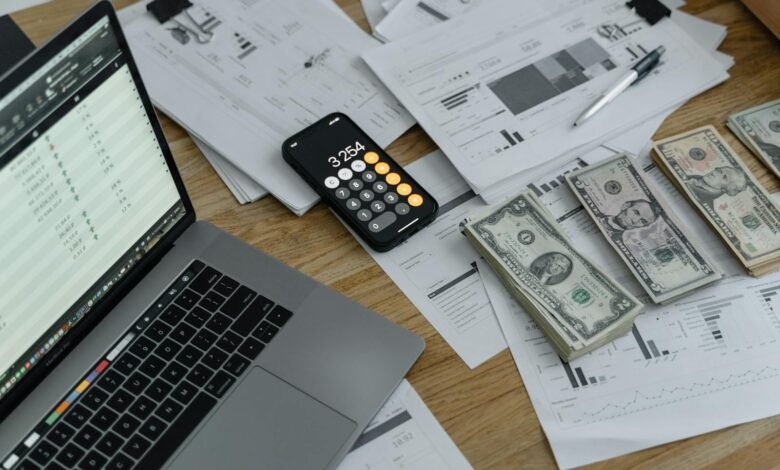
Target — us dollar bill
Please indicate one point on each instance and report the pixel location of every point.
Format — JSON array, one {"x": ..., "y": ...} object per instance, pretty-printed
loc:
[
  {"x": 759, "y": 129},
  {"x": 630, "y": 212},
  {"x": 720, "y": 186},
  {"x": 576, "y": 303}
]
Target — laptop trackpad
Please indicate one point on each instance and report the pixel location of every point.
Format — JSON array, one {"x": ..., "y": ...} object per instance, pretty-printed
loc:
[{"x": 267, "y": 423}]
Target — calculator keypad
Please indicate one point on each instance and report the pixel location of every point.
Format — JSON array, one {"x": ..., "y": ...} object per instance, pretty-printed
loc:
[{"x": 377, "y": 195}]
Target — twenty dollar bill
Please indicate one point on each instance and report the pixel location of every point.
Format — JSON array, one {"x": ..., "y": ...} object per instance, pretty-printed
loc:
[
  {"x": 630, "y": 212},
  {"x": 759, "y": 129}
]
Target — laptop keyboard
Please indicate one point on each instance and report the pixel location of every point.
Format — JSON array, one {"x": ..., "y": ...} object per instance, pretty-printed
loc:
[{"x": 147, "y": 395}]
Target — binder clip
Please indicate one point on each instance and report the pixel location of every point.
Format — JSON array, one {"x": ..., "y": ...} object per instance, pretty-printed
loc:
[
  {"x": 652, "y": 11},
  {"x": 165, "y": 10}
]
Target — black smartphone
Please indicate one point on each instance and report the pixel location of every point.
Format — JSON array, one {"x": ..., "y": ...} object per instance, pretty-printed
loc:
[{"x": 353, "y": 175}]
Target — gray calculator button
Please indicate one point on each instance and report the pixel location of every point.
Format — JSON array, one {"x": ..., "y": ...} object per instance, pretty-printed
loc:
[
  {"x": 355, "y": 185},
  {"x": 377, "y": 206},
  {"x": 380, "y": 187},
  {"x": 342, "y": 193},
  {"x": 402, "y": 208},
  {"x": 331, "y": 182},
  {"x": 353, "y": 204},
  {"x": 391, "y": 198},
  {"x": 366, "y": 195},
  {"x": 364, "y": 215},
  {"x": 382, "y": 222},
  {"x": 369, "y": 177}
]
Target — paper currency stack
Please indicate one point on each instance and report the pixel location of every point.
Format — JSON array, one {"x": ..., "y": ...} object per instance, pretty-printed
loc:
[
  {"x": 629, "y": 210},
  {"x": 577, "y": 305},
  {"x": 717, "y": 183},
  {"x": 759, "y": 129}
]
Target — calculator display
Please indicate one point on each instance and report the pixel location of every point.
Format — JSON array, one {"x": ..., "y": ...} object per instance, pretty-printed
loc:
[{"x": 374, "y": 195}]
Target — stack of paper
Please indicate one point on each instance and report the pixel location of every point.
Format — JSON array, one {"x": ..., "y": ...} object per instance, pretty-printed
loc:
[{"x": 501, "y": 100}]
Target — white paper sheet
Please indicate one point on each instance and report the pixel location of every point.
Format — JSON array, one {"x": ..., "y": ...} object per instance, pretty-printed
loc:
[
  {"x": 10, "y": 6},
  {"x": 460, "y": 87},
  {"x": 244, "y": 188},
  {"x": 436, "y": 270},
  {"x": 272, "y": 69},
  {"x": 410, "y": 16},
  {"x": 404, "y": 435},
  {"x": 700, "y": 364},
  {"x": 374, "y": 12}
]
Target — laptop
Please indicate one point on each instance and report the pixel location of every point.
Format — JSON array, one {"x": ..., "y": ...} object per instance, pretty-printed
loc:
[{"x": 132, "y": 336}]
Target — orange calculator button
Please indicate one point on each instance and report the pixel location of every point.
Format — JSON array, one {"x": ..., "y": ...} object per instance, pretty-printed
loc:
[
  {"x": 415, "y": 200},
  {"x": 382, "y": 168},
  {"x": 371, "y": 157},
  {"x": 393, "y": 179},
  {"x": 404, "y": 189}
]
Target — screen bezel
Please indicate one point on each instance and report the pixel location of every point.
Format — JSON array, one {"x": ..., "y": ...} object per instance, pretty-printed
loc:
[{"x": 11, "y": 80}]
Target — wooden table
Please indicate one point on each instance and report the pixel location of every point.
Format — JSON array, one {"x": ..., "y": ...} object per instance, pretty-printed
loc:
[{"x": 486, "y": 410}]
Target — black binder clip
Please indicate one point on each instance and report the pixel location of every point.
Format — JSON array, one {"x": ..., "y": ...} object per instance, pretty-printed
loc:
[
  {"x": 165, "y": 10},
  {"x": 652, "y": 11}
]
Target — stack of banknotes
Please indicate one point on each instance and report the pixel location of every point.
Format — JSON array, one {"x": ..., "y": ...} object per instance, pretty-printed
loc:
[
  {"x": 638, "y": 223},
  {"x": 719, "y": 185},
  {"x": 759, "y": 129},
  {"x": 576, "y": 304}
]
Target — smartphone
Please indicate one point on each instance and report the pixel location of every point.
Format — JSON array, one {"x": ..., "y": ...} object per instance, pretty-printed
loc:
[{"x": 372, "y": 193}]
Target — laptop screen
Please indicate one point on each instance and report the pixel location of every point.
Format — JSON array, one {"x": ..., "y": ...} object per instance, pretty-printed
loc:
[{"x": 86, "y": 194}]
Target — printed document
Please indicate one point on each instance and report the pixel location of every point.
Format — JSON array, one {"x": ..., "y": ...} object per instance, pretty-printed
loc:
[
  {"x": 685, "y": 369},
  {"x": 410, "y": 16},
  {"x": 436, "y": 268},
  {"x": 404, "y": 435},
  {"x": 271, "y": 69},
  {"x": 503, "y": 99}
]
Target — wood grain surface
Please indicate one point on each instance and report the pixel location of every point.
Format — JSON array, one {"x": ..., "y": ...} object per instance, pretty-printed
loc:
[{"x": 486, "y": 410}]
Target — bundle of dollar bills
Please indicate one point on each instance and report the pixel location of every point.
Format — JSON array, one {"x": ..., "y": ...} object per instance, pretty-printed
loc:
[
  {"x": 633, "y": 216},
  {"x": 576, "y": 304},
  {"x": 759, "y": 129},
  {"x": 717, "y": 183}
]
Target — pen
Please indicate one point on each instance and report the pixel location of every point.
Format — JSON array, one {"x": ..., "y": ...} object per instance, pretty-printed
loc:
[{"x": 637, "y": 72}]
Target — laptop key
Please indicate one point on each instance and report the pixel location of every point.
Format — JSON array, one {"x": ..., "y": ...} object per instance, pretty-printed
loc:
[
  {"x": 136, "y": 446},
  {"x": 184, "y": 392},
  {"x": 70, "y": 455},
  {"x": 212, "y": 301},
  {"x": 120, "y": 401},
  {"x": 110, "y": 381},
  {"x": 207, "y": 278},
  {"x": 168, "y": 410},
  {"x": 187, "y": 299},
  {"x": 265, "y": 332},
  {"x": 252, "y": 316},
  {"x": 229, "y": 341},
  {"x": 126, "y": 426},
  {"x": 158, "y": 390},
  {"x": 183, "y": 333},
  {"x": 142, "y": 347},
  {"x": 110, "y": 443},
  {"x": 251, "y": 348},
  {"x": 93, "y": 461},
  {"x": 214, "y": 358},
  {"x": 120, "y": 462},
  {"x": 220, "y": 383},
  {"x": 78, "y": 416},
  {"x": 189, "y": 356},
  {"x": 54, "y": 466},
  {"x": 136, "y": 383},
  {"x": 158, "y": 331},
  {"x": 279, "y": 316},
  {"x": 43, "y": 453},
  {"x": 61, "y": 434},
  {"x": 87, "y": 437},
  {"x": 199, "y": 375},
  {"x": 142, "y": 407},
  {"x": 152, "y": 428},
  {"x": 127, "y": 364},
  {"x": 174, "y": 373},
  {"x": 168, "y": 349},
  {"x": 178, "y": 432},
  {"x": 104, "y": 418},
  {"x": 27, "y": 465},
  {"x": 226, "y": 286},
  {"x": 94, "y": 398},
  {"x": 236, "y": 365},
  {"x": 173, "y": 315},
  {"x": 240, "y": 299},
  {"x": 152, "y": 366},
  {"x": 218, "y": 323},
  {"x": 197, "y": 317},
  {"x": 204, "y": 339}
]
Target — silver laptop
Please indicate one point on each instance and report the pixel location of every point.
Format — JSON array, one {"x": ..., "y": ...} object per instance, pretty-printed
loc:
[{"x": 132, "y": 336}]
